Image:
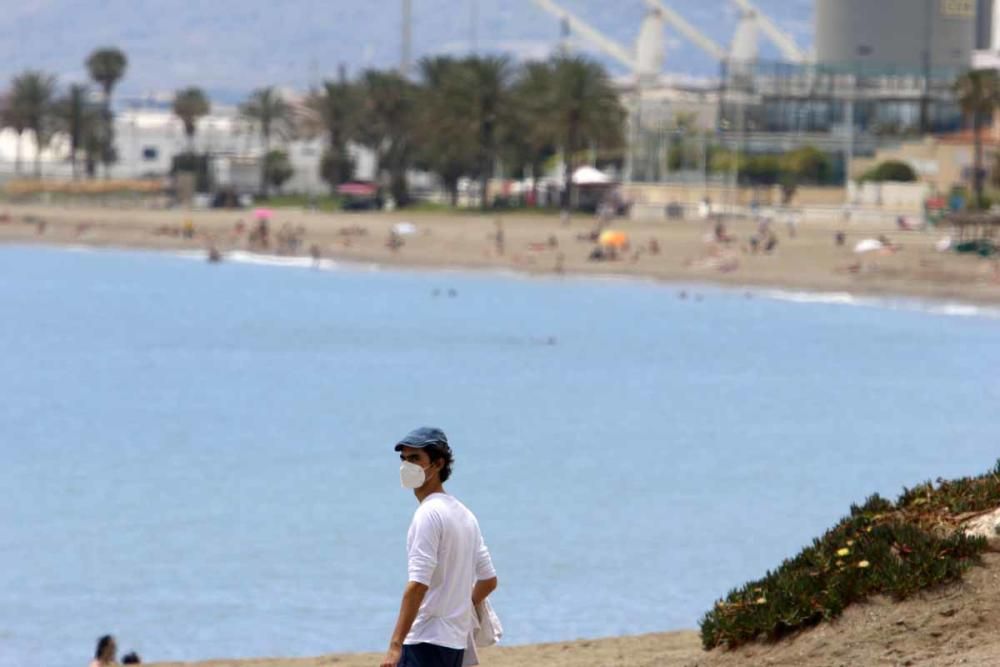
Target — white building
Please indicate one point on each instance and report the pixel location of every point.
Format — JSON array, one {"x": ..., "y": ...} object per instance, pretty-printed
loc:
[{"x": 148, "y": 136}]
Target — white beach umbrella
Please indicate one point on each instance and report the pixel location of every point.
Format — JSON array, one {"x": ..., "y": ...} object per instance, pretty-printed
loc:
[{"x": 868, "y": 245}]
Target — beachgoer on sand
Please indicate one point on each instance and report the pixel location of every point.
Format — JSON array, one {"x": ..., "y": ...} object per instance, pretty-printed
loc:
[
  {"x": 498, "y": 237},
  {"x": 105, "y": 653},
  {"x": 450, "y": 569}
]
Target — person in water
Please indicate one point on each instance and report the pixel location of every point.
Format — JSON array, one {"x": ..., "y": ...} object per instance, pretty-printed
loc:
[
  {"x": 105, "y": 652},
  {"x": 450, "y": 569}
]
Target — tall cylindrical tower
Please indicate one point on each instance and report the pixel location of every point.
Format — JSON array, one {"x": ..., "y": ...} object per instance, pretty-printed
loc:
[{"x": 896, "y": 34}]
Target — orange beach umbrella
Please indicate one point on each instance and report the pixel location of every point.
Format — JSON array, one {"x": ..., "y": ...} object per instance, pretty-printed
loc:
[{"x": 613, "y": 238}]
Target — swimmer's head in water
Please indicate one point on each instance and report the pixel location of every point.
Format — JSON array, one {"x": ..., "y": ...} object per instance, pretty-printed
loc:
[{"x": 105, "y": 649}]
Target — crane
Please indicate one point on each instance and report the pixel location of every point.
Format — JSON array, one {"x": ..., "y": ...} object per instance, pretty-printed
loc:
[
  {"x": 693, "y": 34},
  {"x": 789, "y": 49},
  {"x": 608, "y": 46}
]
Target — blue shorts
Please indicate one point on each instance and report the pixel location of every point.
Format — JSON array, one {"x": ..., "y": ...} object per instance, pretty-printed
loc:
[{"x": 430, "y": 655}]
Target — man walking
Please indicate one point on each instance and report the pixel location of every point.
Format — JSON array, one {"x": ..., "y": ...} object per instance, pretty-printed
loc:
[{"x": 449, "y": 567}]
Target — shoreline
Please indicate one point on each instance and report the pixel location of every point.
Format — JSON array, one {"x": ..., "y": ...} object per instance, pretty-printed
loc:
[
  {"x": 806, "y": 264},
  {"x": 917, "y": 302}
]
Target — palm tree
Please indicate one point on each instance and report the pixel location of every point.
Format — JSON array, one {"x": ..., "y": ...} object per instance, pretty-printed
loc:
[
  {"x": 336, "y": 108},
  {"x": 978, "y": 93},
  {"x": 11, "y": 115},
  {"x": 191, "y": 104},
  {"x": 32, "y": 93},
  {"x": 489, "y": 89},
  {"x": 389, "y": 105},
  {"x": 268, "y": 111},
  {"x": 448, "y": 140},
  {"x": 585, "y": 109},
  {"x": 107, "y": 66},
  {"x": 76, "y": 118},
  {"x": 530, "y": 135}
]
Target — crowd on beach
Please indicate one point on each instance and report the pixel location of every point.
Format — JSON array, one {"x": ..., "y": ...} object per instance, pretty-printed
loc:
[{"x": 724, "y": 243}]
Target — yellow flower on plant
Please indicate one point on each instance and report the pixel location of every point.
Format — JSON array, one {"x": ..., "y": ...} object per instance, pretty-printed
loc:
[
  {"x": 843, "y": 552},
  {"x": 863, "y": 564}
]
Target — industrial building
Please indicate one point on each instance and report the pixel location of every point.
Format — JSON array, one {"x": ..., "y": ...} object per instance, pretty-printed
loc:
[
  {"x": 904, "y": 35},
  {"x": 880, "y": 71}
]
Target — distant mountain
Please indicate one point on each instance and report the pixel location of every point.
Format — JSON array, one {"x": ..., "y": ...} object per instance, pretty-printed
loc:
[{"x": 231, "y": 46}]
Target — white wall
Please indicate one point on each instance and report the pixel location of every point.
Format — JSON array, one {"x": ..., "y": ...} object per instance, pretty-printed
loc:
[{"x": 147, "y": 141}]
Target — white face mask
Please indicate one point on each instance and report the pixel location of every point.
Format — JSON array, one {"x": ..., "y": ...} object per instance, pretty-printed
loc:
[{"x": 411, "y": 476}]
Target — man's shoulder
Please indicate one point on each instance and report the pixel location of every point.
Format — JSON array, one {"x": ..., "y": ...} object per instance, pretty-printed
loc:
[{"x": 441, "y": 505}]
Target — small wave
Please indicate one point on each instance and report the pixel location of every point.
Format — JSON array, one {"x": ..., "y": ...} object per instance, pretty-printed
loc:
[
  {"x": 965, "y": 310},
  {"x": 190, "y": 254},
  {"x": 838, "y": 298},
  {"x": 244, "y": 257},
  {"x": 279, "y": 261},
  {"x": 914, "y": 305}
]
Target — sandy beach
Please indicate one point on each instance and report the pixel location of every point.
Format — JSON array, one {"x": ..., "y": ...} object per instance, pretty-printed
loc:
[
  {"x": 949, "y": 626},
  {"x": 680, "y": 251},
  {"x": 954, "y": 625}
]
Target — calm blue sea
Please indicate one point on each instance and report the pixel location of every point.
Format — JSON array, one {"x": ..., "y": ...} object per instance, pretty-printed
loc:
[{"x": 199, "y": 458}]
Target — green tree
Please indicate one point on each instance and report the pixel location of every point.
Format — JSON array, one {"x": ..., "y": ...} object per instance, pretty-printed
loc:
[
  {"x": 681, "y": 153},
  {"x": 190, "y": 104},
  {"x": 761, "y": 169},
  {"x": 335, "y": 108},
  {"x": 448, "y": 145},
  {"x": 530, "y": 132},
  {"x": 489, "y": 82},
  {"x": 585, "y": 110},
  {"x": 32, "y": 94},
  {"x": 808, "y": 164},
  {"x": 890, "y": 170},
  {"x": 277, "y": 168},
  {"x": 978, "y": 93},
  {"x": 270, "y": 114},
  {"x": 107, "y": 66},
  {"x": 389, "y": 127},
  {"x": 76, "y": 117}
]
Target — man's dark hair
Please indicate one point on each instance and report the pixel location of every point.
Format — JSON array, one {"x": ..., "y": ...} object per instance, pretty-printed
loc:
[
  {"x": 102, "y": 646},
  {"x": 439, "y": 452},
  {"x": 131, "y": 659}
]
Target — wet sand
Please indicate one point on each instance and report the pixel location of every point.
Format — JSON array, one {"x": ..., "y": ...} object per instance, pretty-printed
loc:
[{"x": 542, "y": 244}]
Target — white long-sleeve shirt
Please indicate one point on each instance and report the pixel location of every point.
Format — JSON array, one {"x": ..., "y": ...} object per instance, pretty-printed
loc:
[{"x": 446, "y": 553}]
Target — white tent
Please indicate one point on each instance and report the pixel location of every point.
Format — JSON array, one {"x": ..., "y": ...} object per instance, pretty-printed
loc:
[{"x": 590, "y": 176}]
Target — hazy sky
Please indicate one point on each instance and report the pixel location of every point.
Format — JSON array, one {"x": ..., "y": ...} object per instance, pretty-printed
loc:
[{"x": 231, "y": 46}]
